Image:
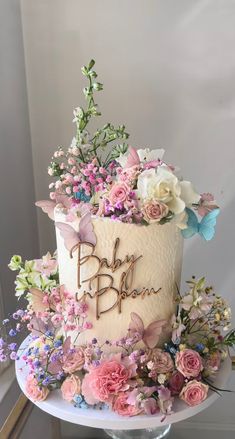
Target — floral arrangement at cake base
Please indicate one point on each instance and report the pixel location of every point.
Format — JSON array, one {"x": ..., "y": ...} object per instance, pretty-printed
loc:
[{"x": 135, "y": 375}]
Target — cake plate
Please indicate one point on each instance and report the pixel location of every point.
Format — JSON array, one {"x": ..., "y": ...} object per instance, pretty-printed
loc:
[{"x": 119, "y": 427}]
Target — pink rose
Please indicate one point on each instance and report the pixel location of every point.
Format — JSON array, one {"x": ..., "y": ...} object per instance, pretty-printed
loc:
[
  {"x": 121, "y": 406},
  {"x": 189, "y": 363},
  {"x": 176, "y": 383},
  {"x": 118, "y": 193},
  {"x": 106, "y": 380},
  {"x": 71, "y": 387},
  {"x": 34, "y": 391},
  {"x": 161, "y": 361},
  {"x": 73, "y": 360},
  {"x": 154, "y": 211},
  {"x": 194, "y": 392}
]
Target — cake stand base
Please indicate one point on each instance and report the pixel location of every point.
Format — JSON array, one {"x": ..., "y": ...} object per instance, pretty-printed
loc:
[{"x": 147, "y": 433}]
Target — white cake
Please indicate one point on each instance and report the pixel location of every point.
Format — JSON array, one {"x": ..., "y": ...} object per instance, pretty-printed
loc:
[{"x": 156, "y": 273}]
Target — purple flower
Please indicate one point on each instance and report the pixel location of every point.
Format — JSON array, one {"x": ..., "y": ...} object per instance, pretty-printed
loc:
[
  {"x": 2, "y": 343},
  {"x": 15, "y": 316},
  {"x": 3, "y": 358},
  {"x": 12, "y": 333},
  {"x": 4, "y": 322},
  {"x": 12, "y": 346},
  {"x": 14, "y": 356}
]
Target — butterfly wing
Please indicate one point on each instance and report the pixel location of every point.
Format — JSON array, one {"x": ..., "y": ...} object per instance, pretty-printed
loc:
[
  {"x": 153, "y": 332},
  {"x": 64, "y": 200},
  {"x": 69, "y": 235},
  {"x": 133, "y": 158},
  {"x": 136, "y": 324},
  {"x": 192, "y": 224},
  {"x": 36, "y": 300},
  {"x": 207, "y": 225},
  {"x": 47, "y": 206},
  {"x": 86, "y": 231}
]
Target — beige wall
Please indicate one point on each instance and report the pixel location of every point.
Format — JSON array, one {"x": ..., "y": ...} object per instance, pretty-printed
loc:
[{"x": 168, "y": 68}]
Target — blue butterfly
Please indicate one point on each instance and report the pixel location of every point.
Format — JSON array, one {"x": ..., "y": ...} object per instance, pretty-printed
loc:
[{"x": 205, "y": 228}]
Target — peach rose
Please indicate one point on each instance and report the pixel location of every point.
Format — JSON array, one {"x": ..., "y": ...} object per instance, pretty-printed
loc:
[
  {"x": 189, "y": 363},
  {"x": 194, "y": 392},
  {"x": 162, "y": 361},
  {"x": 34, "y": 391},
  {"x": 121, "y": 406},
  {"x": 106, "y": 380},
  {"x": 154, "y": 211},
  {"x": 71, "y": 387},
  {"x": 212, "y": 363},
  {"x": 73, "y": 360},
  {"x": 118, "y": 193}
]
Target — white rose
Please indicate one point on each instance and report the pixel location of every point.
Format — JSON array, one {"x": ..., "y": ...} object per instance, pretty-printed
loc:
[
  {"x": 188, "y": 194},
  {"x": 163, "y": 186}
]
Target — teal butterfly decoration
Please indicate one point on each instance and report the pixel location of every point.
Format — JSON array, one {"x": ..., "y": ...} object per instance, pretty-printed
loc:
[{"x": 205, "y": 228}]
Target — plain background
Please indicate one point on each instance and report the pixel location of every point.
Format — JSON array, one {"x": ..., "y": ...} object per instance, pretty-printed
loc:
[{"x": 168, "y": 69}]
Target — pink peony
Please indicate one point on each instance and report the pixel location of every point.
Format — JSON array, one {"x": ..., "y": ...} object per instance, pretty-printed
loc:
[
  {"x": 71, "y": 387},
  {"x": 161, "y": 361},
  {"x": 194, "y": 392},
  {"x": 121, "y": 406},
  {"x": 106, "y": 380},
  {"x": 154, "y": 211},
  {"x": 119, "y": 193},
  {"x": 176, "y": 383},
  {"x": 189, "y": 363},
  {"x": 34, "y": 391},
  {"x": 73, "y": 360}
]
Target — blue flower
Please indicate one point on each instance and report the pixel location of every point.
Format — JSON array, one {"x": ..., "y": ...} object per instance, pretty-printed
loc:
[
  {"x": 49, "y": 334},
  {"x": 57, "y": 343},
  {"x": 47, "y": 348},
  {"x": 78, "y": 399},
  {"x": 12, "y": 333},
  {"x": 200, "y": 347},
  {"x": 82, "y": 196}
]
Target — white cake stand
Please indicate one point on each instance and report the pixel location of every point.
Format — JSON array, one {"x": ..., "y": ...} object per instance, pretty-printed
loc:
[{"x": 119, "y": 427}]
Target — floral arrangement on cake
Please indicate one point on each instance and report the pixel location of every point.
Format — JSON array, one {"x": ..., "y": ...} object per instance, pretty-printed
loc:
[
  {"x": 117, "y": 181},
  {"x": 100, "y": 177},
  {"x": 135, "y": 376}
]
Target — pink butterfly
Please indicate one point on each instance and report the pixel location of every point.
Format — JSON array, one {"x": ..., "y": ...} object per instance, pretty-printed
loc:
[
  {"x": 151, "y": 334},
  {"x": 85, "y": 233},
  {"x": 37, "y": 302},
  {"x": 133, "y": 158},
  {"x": 48, "y": 206}
]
